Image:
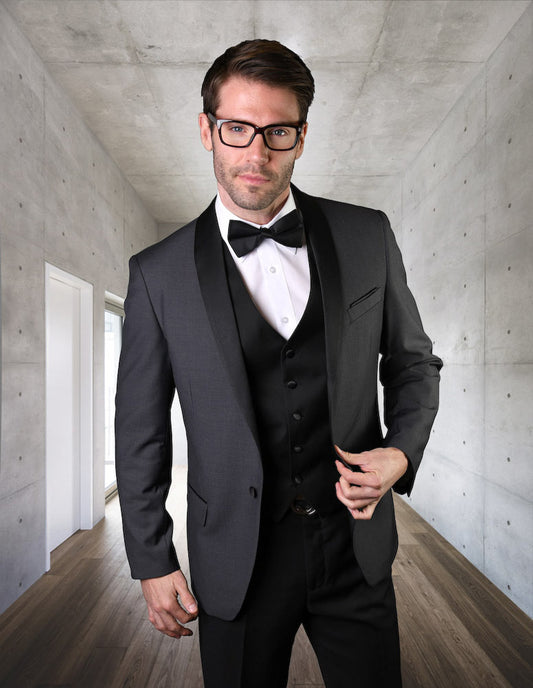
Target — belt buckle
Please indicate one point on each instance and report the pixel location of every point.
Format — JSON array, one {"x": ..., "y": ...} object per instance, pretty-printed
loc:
[{"x": 303, "y": 508}]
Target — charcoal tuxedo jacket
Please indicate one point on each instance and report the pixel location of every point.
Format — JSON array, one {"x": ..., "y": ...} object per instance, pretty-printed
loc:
[{"x": 180, "y": 334}]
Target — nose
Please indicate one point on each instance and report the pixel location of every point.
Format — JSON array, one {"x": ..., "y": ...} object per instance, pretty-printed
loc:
[{"x": 257, "y": 150}]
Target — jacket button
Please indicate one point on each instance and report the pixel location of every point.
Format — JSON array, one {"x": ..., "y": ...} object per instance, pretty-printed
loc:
[
  {"x": 297, "y": 479},
  {"x": 253, "y": 492},
  {"x": 297, "y": 449},
  {"x": 292, "y": 384},
  {"x": 297, "y": 416},
  {"x": 289, "y": 353}
]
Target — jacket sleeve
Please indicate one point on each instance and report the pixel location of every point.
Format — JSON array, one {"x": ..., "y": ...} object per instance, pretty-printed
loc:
[
  {"x": 145, "y": 391},
  {"x": 409, "y": 372}
]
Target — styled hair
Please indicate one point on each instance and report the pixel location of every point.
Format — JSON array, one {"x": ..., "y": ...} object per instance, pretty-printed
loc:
[{"x": 267, "y": 62}]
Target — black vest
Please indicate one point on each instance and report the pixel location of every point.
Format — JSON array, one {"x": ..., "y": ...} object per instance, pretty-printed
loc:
[{"x": 288, "y": 382}]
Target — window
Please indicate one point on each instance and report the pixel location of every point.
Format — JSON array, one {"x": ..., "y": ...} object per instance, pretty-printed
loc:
[{"x": 114, "y": 315}]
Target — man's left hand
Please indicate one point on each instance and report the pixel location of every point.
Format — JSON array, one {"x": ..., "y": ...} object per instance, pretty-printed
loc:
[{"x": 361, "y": 491}]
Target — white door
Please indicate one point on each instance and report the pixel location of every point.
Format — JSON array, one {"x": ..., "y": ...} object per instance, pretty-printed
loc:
[{"x": 68, "y": 490}]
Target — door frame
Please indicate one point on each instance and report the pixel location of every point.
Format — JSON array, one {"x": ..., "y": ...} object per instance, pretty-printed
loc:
[{"x": 86, "y": 449}]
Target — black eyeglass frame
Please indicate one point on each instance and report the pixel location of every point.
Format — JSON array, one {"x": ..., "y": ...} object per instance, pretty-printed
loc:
[{"x": 257, "y": 130}]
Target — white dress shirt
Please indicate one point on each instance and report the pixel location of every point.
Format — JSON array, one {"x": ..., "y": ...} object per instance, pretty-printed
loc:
[{"x": 276, "y": 276}]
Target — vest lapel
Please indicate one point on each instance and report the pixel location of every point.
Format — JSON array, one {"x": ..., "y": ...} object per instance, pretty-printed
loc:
[
  {"x": 215, "y": 294},
  {"x": 321, "y": 241}
]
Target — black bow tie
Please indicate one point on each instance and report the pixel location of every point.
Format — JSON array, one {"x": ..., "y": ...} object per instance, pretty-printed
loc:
[{"x": 288, "y": 231}]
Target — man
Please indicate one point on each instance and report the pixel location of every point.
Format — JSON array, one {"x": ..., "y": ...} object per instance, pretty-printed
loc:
[{"x": 270, "y": 331}]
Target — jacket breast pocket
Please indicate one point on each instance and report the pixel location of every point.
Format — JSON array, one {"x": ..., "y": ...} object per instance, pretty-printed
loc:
[
  {"x": 364, "y": 303},
  {"x": 197, "y": 507}
]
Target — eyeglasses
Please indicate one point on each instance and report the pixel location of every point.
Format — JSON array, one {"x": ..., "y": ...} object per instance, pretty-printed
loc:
[{"x": 279, "y": 137}]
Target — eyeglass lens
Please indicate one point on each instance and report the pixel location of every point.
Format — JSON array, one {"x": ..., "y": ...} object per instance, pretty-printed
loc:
[{"x": 278, "y": 137}]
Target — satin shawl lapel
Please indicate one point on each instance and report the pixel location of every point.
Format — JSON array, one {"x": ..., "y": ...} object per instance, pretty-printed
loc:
[
  {"x": 215, "y": 293},
  {"x": 321, "y": 241}
]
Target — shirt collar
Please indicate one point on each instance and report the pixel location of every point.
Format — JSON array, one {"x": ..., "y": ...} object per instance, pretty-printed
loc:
[{"x": 224, "y": 216}]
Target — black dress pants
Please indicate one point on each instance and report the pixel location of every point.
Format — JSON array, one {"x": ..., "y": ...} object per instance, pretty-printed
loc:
[{"x": 306, "y": 573}]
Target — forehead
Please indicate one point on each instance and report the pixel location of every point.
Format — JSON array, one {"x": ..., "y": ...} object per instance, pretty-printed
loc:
[{"x": 256, "y": 102}]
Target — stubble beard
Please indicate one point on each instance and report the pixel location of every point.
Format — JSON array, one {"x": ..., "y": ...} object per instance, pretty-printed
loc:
[{"x": 251, "y": 197}]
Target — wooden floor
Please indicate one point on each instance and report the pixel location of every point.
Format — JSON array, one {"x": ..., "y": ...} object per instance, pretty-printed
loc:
[{"x": 83, "y": 624}]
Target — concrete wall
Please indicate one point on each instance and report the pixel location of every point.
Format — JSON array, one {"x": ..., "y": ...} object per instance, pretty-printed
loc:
[
  {"x": 466, "y": 234},
  {"x": 62, "y": 200}
]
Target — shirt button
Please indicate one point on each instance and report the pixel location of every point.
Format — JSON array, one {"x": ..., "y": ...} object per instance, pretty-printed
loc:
[
  {"x": 253, "y": 492},
  {"x": 272, "y": 269},
  {"x": 285, "y": 320},
  {"x": 297, "y": 479},
  {"x": 297, "y": 416},
  {"x": 292, "y": 384},
  {"x": 297, "y": 449}
]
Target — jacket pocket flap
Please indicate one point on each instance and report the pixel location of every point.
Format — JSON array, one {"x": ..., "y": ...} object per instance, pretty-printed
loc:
[
  {"x": 197, "y": 507},
  {"x": 364, "y": 303}
]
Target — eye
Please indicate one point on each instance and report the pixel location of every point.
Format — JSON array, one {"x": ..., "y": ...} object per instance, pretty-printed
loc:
[{"x": 278, "y": 132}]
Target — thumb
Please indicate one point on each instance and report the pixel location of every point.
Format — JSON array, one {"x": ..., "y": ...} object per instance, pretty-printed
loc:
[
  {"x": 341, "y": 452},
  {"x": 186, "y": 597},
  {"x": 345, "y": 456}
]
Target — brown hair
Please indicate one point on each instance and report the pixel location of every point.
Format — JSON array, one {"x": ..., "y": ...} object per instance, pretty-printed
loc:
[{"x": 268, "y": 62}]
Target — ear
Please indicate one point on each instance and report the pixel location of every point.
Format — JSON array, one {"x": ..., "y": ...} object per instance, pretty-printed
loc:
[
  {"x": 301, "y": 141},
  {"x": 205, "y": 131}
]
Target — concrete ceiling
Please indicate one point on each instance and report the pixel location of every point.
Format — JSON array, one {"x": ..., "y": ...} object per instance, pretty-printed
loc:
[{"x": 386, "y": 72}]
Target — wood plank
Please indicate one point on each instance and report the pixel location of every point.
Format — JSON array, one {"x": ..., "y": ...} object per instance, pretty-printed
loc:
[{"x": 84, "y": 623}]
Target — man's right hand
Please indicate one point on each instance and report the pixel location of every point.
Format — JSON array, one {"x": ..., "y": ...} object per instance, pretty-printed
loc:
[{"x": 164, "y": 610}]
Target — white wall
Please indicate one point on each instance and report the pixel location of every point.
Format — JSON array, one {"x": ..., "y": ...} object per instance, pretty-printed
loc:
[
  {"x": 62, "y": 201},
  {"x": 467, "y": 239}
]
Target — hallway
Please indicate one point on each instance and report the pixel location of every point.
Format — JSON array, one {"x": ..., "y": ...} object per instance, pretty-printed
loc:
[{"x": 83, "y": 624}]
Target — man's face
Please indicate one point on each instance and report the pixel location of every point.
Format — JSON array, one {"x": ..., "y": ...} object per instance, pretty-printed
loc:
[{"x": 253, "y": 182}]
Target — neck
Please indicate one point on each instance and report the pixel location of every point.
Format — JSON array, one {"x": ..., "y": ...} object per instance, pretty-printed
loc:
[{"x": 260, "y": 216}]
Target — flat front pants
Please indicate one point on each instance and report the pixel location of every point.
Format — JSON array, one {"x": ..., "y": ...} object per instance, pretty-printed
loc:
[{"x": 306, "y": 573}]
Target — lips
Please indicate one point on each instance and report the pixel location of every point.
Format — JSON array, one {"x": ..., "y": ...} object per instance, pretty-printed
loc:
[{"x": 254, "y": 179}]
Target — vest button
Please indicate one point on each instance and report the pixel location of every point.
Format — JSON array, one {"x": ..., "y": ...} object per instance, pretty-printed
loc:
[
  {"x": 292, "y": 384},
  {"x": 297, "y": 479},
  {"x": 297, "y": 416},
  {"x": 297, "y": 449},
  {"x": 253, "y": 492},
  {"x": 289, "y": 353}
]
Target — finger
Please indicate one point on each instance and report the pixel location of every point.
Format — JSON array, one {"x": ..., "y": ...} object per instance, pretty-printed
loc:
[
  {"x": 167, "y": 624},
  {"x": 364, "y": 514},
  {"x": 350, "y": 501},
  {"x": 358, "y": 492},
  {"x": 369, "y": 479}
]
